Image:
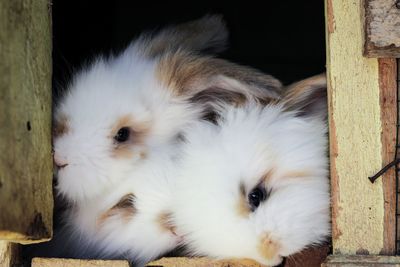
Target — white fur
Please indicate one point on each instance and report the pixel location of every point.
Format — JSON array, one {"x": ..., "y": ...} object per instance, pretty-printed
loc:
[
  {"x": 250, "y": 142},
  {"x": 142, "y": 238},
  {"x": 97, "y": 98},
  {"x": 244, "y": 148},
  {"x": 94, "y": 180}
]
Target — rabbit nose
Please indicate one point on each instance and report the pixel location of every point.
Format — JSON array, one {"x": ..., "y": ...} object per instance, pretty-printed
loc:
[{"x": 59, "y": 161}]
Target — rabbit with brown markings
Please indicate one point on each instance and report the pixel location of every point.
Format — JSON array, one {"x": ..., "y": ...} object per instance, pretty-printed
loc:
[
  {"x": 118, "y": 132},
  {"x": 256, "y": 185}
]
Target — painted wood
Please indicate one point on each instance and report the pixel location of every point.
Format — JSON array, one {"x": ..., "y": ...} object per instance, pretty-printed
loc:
[
  {"x": 364, "y": 260},
  {"x": 53, "y": 262},
  {"x": 381, "y": 28},
  {"x": 25, "y": 121},
  {"x": 355, "y": 126}
]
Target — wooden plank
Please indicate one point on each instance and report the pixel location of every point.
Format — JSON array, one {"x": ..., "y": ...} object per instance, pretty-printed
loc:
[
  {"x": 381, "y": 28},
  {"x": 54, "y": 262},
  {"x": 398, "y": 156},
  {"x": 355, "y": 134},
  {"x": 202, "y": 262},
  {"x": 310, "y": 257},
  {"x": 356, "y": 261},
  {"x": 9, "y": 254},
  {"x": 25, "y": 119},
  {"x": 388, "y": 103}
]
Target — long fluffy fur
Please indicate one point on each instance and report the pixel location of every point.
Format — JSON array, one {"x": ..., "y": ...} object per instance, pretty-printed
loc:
[
  {"x": 128, "y": 90},
  {"x": 249, "y": 143}
]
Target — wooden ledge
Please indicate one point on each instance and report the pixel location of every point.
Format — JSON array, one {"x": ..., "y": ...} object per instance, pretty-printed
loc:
[
  {"x": 58, "y": 262},
  {"x": 361, "y": 260}
]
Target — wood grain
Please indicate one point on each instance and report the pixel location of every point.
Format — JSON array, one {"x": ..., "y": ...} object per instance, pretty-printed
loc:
[
  {"x": 25, "y": 121},
  {"x": 202, "y": 262},
  {"x": 54, "y": 262},
  {"x": 388, "y": 103},
  {"x": 354, "y": 261},
  {"x": 9, "y": 254},
  {"x": 355, "y": 134}
]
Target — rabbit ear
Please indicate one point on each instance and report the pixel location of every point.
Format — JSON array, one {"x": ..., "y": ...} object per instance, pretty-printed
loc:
[
  {"x": 207, "y": 34},
  {"x": 308, "y": 97},
  {"x": 212, "y": 80}
]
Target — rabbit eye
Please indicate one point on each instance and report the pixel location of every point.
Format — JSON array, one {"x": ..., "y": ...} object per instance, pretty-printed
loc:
[
  {"x": 256, "y": 196},
  {"x": 122, "y": 135}
]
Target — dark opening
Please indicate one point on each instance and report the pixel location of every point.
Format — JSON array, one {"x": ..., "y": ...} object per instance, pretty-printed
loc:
[{"x": 283, "y": 38}]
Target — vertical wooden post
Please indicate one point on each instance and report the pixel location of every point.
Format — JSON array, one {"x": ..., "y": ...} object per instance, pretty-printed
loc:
[
  {"x": 25, "y": 121},
  {"x": 355, "y": 133},
  {"x": 388, "y": 103},
  {"x": 9, "y": 254}
]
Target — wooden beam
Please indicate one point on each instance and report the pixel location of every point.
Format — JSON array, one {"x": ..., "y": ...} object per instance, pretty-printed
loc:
[
  {"x": 355, "y": 126},
  {"x": 354, "y": 261},
  {"x": 54, "y": 262},
  {"x": 25, "y": 119},
  {"x": 202, "y": 262},
  {"x": 381, "y": 28},
  {"x": 9, "y": 254},
  {"x": 388, "y": 103}
]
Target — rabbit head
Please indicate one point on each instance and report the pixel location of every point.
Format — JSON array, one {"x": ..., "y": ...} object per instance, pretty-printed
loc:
[
  {"x": 127, "y": 111},
  {"x": 256, "y": 185}
]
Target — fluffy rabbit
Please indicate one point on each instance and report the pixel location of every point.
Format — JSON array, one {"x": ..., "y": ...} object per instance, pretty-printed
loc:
[
  {"x": 256, "y": 186},
  {"x": 120, "y": 126},
  {"x": 125, "y": 110}
]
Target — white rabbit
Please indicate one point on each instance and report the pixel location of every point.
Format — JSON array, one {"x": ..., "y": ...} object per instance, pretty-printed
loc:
[
  {"x": 121, "y": 111},
  {"x": 256, "y": 185},
  {"x": 119, "y": 128}
]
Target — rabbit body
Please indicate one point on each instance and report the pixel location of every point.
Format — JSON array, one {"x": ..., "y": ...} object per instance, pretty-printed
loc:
[{"x": 256, "y": 185}]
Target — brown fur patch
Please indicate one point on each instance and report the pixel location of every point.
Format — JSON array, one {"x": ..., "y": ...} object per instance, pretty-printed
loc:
[
  {"x": 298, "y": 174},
  {"x": 125, "y": 208},
  {"x": 137, "y": 136},
  {"x": 267, "y": 176},
  {"x": 164, "y": 219},
  {"x": 186, "y": 74},
  {"x": 218, "y": 94},
  {"x": 268, "y": 248},
  {"x": 242, "y": 207},
  {"x": 60, "y": 126},
  {"x": 304, "y": 94}
]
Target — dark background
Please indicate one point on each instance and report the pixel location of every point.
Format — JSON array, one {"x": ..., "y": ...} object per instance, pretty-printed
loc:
[{"x": 283, "y": 38}]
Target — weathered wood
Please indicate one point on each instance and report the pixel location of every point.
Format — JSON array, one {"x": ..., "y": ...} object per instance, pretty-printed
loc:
[
  {"x": 356, "y": 261},
  {"x": 202, "y": 262},
  {"x": 25, "y": 121},
  {"x": 381, "y": 28},
  {"x": 9, "y": 254},
  {"x": 311, "y": 257},
  {"x": 398, "y": 156},
  {"x": 54, "y": 262},
  {"x": 355, "y": 128},
  {"x": 388, "y": 97}
]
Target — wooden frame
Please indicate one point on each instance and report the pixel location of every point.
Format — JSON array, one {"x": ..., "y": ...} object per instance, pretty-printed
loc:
[
  {"x": 25, "y": 111},
  {"x": 363, "y": 112},
  {"x": 370, "y": 261}
]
